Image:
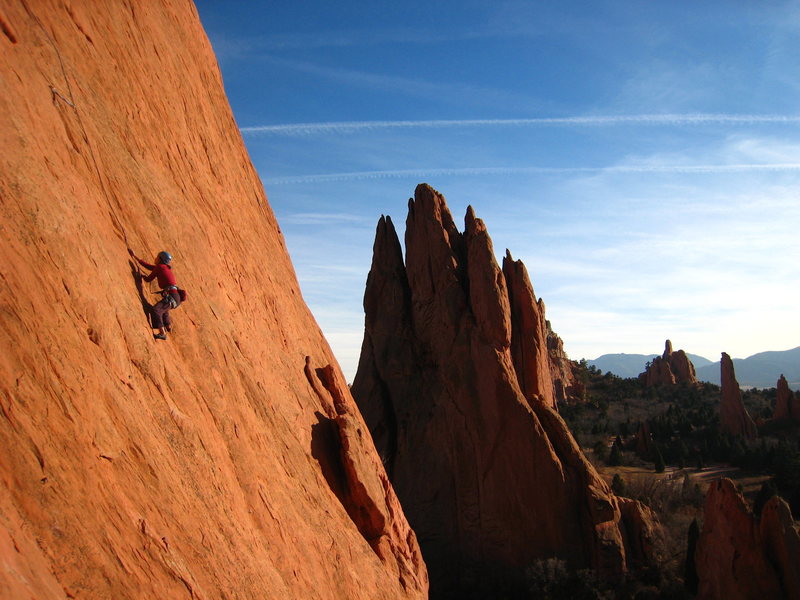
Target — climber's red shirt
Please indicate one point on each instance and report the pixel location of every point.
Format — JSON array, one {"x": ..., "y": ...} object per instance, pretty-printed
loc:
[{"x": 164, "y": 274}]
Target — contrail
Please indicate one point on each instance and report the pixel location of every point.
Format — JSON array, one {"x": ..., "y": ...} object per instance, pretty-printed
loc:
[
  {"x": 478, "y": 171},
  {"x": 305, "y": 129}
]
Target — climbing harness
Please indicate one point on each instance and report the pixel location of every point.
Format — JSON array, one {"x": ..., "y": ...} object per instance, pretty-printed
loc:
[{"x": 166, "y": 294}]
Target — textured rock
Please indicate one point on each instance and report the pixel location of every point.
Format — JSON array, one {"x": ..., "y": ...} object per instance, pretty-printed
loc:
[
  {"x": 563, "y": 371},
  {"x": 669, "y": 368},
  {"x": 529, "y": 348},
  {"x": 208, "y": 466},
  {"x": 365, "y": 491},
  {"x": 733, "y": 416},
  {"x": 454, "y": 383},
  {"x": 739, "y": 556},
  {"x": 787, "y": 406}
]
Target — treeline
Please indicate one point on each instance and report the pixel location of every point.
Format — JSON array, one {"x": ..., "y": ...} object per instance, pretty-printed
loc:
[{"x": 684, "y": 430}]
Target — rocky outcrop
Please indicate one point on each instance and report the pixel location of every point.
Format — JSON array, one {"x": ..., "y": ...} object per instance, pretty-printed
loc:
[
  {"x": 454, "y": 384},
  {"x": 530, "y": 351},
  {"x": 364, "y": 490},
  {"x": 563, "y": 371},
  {"x": 669, "y": 368},
  {"x": 740, "y": 556},
  {"x": 787, "y": 406},
  {"x": 208, "y": 466},
  {"x": 733, "y": 416}
]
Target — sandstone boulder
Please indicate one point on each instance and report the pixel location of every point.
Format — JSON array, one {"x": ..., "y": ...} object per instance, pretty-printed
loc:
[
  {"x": 455, "y": 384},
  {"x": 207, "y": 466},
  {"x": 740, "y": 556},
  {"x": 733, "y": 416}
]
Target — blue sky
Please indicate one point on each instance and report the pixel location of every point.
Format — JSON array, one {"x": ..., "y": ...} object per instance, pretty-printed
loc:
[{"x": 641, "y": 158}]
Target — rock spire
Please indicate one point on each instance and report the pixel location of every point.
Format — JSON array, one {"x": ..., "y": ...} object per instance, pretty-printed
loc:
[
  {"x": 787, "y": 406},
  {"x": 669, "y": 368},
  {"x": 455, "y": 384},
  {"x": 740, "y": 556},
  {"x": 733, "y": 416}
]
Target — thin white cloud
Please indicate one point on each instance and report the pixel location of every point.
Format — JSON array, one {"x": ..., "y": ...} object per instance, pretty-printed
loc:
[
  {"x": 483, "y": 171},
  {"x": 319, "y": 218},
  {"x": 343, "y": 127},
  {"x": 440, "y": 90}
]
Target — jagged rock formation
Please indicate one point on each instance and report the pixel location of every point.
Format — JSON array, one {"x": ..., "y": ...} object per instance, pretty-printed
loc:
[
  {"x": 214, "y": 465},
  {"x": 454, "y": 385},
  {"x": 740, "y": 556},
  {"x": 530, "y": 351},
  {"x": 669, "y": 368},
  {"x": 566, "y": 384},
  {"x": 787, "y": 405},
  {"x": 733, "y": 416}
]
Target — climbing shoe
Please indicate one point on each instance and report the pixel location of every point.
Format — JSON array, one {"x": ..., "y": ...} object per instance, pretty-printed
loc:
[{"x": 160, "y": 336}]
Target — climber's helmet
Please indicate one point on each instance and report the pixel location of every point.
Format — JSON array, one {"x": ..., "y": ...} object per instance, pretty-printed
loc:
[{"x": 164, "y": 258}]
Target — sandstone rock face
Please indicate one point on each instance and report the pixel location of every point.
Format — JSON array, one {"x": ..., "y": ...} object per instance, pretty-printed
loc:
[
  {"x": 455, "y": 386},
  {"x": 566, "y": 383},
  {"x": 787, "y": 405},
  {"x": 739, "y": 556},
  {"x": 529, "y": 341},
  {"x": 216, "y": 464},
  {"x": 669, "y": 368},
  {"x": 733, "y": 416}
]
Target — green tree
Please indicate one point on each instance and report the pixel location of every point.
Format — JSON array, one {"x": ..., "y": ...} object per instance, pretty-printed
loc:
[
  {"x": 600, "y": 450},
  {"x": 660, "y": 465},
  {"x": 618, "y": 485},
  {"x": 690, "y": 578},
  {"x": 767, "y": 491},
  {"x": 615, "y": 458}
]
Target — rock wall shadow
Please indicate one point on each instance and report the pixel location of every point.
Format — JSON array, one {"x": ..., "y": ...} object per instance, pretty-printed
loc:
[
  {"x": 147, "y": 308},
  {"x": 325, "y": 449}
]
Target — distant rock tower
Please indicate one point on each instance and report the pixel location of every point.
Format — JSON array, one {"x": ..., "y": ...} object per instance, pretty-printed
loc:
[
  {"x": 733, "y": 416},
  {"x": 786, "y": 404},
  {"x": 669, "y": 368}
]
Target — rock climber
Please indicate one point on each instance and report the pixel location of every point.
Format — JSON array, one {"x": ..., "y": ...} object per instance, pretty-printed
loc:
[{"x": 171, "y": 296}]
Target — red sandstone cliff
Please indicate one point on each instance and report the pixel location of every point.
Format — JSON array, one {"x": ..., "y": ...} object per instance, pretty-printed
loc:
[
  {"x": 669, "y": 368},
  {"x": 566, "y": 384},
  {"x": 733, "y": 416},
  {"x": 455, "y": 386},
  {"x": 219, "y": 464},
  {"x": 740, "y": 556}
]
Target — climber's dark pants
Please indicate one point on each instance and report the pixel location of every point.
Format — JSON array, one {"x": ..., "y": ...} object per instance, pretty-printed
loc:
[{"x": 160, "y": 313}]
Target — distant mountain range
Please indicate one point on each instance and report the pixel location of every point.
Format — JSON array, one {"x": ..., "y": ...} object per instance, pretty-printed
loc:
[{"x": 761, "y": 370}]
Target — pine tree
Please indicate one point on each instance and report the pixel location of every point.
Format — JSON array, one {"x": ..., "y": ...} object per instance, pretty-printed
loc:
[
  {"x": 690, "y": 578},
  {"x": 618, "y": 485},
  {"x": 767, "y": 491},
  {"x": 615, "y": 458},
  {"x": 660, "y": 465}
]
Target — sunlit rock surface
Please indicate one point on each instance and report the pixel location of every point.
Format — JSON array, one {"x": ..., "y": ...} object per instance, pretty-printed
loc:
[
  {"x": 455, "y": 384},
  {"x": 215, "y": 464}
]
